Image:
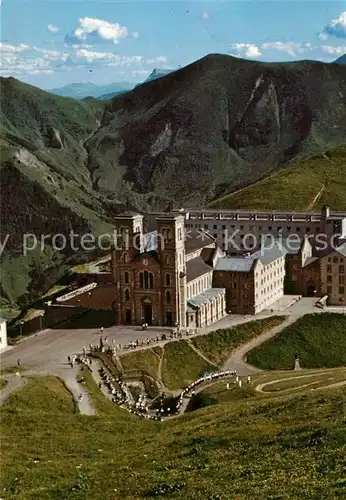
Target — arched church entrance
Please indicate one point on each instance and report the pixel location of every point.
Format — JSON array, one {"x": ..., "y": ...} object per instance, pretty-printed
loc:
[{"x": 147, "y": 312}]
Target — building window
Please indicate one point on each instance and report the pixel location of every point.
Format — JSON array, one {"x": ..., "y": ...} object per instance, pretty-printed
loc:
[
  {"x": 206, "y": 226},
  {"x": 167, "y": 234},
  {"x": 341, "y": 269},
  {"x": 329, "y": 290},
  {"x": 341, "y": 290},
  {"x": 341, "y": 280},
  {"x": 168, "y": 297},
  {"x": 335, "y": 260},
  {"x": 168, "y": 279},
  {"x": 329, "y": 268},
  {"x": 125, "y": 258},
  {"x": 329, "y": 278},
  {"x": 167, "y": 259},
  {"x": 329, "y": 259},
  {"x": 146, "y": 280},
  {"x": 127, "y": 294},
  {"x": 180, "y": 237},
  {"x": 126, "y": 277}
]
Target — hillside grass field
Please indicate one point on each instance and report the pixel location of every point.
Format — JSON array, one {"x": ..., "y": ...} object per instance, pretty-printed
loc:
[
  {"x": 183, "y": 361},
  {"x": 296, "y": 188},
  {"x": 182, "y": 365},
  {"x": 319, "y": 340},
  {"x": 268, "y": 448},
  {"x": 218, "y": 346}
]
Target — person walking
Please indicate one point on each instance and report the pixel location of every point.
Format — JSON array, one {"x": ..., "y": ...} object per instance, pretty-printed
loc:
[{"x": 18, "y": 362}]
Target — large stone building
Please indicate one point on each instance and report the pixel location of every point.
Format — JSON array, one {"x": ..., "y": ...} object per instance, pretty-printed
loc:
[
  {"x": 253, "y": 283},
  {"x": 239, "y": 231},
  {"x": 323, "y": 275},
  {"x": 170, "y": 268},
  {"x": 164, "y": 277}
]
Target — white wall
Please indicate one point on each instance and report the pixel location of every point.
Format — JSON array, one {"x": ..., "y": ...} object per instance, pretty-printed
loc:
[
  {"x": 269, "y": 284},
  {"x": 3, "y": 335},
  {"x": 200, "y": 284}
]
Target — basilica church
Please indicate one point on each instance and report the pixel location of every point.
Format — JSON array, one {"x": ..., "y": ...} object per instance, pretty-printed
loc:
[{"x": 165, "y": 277}]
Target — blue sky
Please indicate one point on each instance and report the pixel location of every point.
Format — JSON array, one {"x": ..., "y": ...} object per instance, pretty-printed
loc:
[{"x": 51, "y": 43}]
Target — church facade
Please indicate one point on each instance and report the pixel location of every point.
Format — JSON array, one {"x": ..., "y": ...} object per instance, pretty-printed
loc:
[{"x": 164, "y": 277}]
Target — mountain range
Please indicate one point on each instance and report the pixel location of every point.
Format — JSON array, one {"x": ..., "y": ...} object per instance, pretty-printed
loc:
[
  {"x": 82, "y": 90},
  {"x": 341, "y": 60},
  {"x": 103, "y": 92},
  {"x": 190, "y": 137}
]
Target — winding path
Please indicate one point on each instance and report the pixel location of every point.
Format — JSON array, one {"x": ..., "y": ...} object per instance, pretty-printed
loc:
[
  {"x": 237, "y": 360},
  {"x": 16, "y": 382}
]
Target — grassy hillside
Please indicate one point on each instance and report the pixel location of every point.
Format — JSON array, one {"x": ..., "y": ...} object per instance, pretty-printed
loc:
[
  {"x": 285, "y": 448},
  {"x": 318, "y": 339},
  {"x": 296, "y": 188},
  {"x": 218, "y": 346},
  {"x": 182, "y": 365},
  {"x": 46, "y": 186}
]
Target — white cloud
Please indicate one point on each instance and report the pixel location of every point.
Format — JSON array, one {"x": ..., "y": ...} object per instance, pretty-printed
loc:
[
  {"x": 291, "y": 48},
  {"x": 323, "y": 36},
  {"x": 204, "y": 16},
  {"x": 141, "y": 72},
  {"x": 52, "y": 28},
  {"x": 97, "y": 30},
  {"x": 246, "y": 49},
  {"x": 333, "y": 51},
  {"x": 337, "y": 27},
  {"x": 135, "y": 34},
  {"x": 157, "y": 60}
]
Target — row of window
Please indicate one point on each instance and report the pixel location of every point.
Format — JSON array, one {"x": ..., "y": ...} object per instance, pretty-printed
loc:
[
  {"x": 260, "y": 228},
  {"x": 341, "y": 279},
  {"x": 146, "y": 279}
]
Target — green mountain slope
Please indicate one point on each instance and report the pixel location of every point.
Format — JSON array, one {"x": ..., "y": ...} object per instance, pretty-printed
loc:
[
  {"x": 45, "y": 185},
  {"x": 312, "y": 183}
]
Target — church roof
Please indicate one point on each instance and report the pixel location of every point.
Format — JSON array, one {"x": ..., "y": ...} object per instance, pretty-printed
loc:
[
  {"x": 196, "y": 239},
  {"x": 196, "y": 268},
  {"x": 203, "y": 298},
  {"x": 235, "y": 264}
]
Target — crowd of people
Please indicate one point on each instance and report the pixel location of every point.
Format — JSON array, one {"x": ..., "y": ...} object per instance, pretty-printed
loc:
[
  {"x": 122, "y": 397},
  {"x": 190, "y": 390},
  {"x": 121, "y": 394}
]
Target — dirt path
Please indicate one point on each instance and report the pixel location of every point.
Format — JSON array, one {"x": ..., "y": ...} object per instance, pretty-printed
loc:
[
  {"x": 315, "y": 200},
  {"x": 237, "y": 360},
  {"x": 261, "y": 387},
  {"x": 197, "y": 351},
  {"x": 14, "y": 383}
]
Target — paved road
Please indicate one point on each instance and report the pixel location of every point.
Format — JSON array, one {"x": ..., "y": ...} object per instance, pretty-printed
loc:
[
  {"x": 47, "y": 351},
  {"x": 237, "y": 360}
]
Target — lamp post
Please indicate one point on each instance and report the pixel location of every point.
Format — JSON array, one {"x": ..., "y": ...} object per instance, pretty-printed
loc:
[{"x": 21, "y": 327}]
